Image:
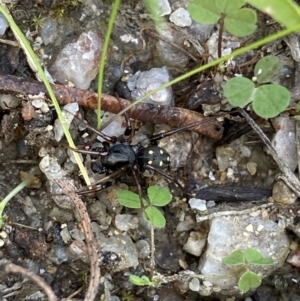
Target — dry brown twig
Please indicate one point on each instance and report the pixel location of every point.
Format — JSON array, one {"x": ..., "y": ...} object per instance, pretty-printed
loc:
[
  {"x": 287, "y": 174},
  {"x": 146, "y": 112},
  {"x": 13, "y": 268},
  {"x": 92, "y": 247}
]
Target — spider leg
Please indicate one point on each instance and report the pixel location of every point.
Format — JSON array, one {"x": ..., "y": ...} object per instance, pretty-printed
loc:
[
  {"x": 88, "y": 152},
  {"x": 101, "y": 184},
  {"x": 128, "y": 129},
  {"x": 99, "y": 187},
  {"x": 171, "y": 132},
  {"x": 164, "y": 174},
  {"x": 139, "y": 188},
  {"x": 110, "y": 139}
]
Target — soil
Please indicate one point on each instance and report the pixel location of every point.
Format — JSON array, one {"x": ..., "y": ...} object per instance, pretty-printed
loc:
[{"x": 45, "y": 234}]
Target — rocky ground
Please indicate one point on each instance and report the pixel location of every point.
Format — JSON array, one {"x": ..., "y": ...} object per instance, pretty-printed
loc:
[{"x": 232, "y": 198}]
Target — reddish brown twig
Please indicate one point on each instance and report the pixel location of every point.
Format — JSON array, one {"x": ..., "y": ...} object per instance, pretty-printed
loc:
[
  {"x": 173, "y": 116},
  {"x": 13, "y": 268},
  {"x": 92, "y": 246}
]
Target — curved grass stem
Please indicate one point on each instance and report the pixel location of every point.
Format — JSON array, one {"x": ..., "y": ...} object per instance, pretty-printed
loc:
[
  {"x": 216, "y": 62},
  {"x": 17, "y": 189},
  {"x": 37, "y": 68}
]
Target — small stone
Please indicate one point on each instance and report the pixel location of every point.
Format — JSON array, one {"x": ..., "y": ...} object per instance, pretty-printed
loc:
[
  {"x": 210, "y": 204},
  {"x": 3, "y": 25},
  {"x": 282, "y": 194},
  {"x": 37, "y": 103},
  {"x": 211, "y": 176},
  {"x": 195, "y": 243},
  {"x": 294, "y": 258},
  {"x": 28, "y": 111},
  {"x": 65, "y": 235},
  {"x": 167, "y": 54},
  {"x": 198, "y": 204},
  {"x": 230, "y": 173},
  {"x": 78, "y": 62},
  {"x": 119, "y": 244},
  {"x": 3, "y": 234},
  {"x": 8, "y": 101},
  {"x": 225, "y": 157},
  {"x": 284, "y": 141},
  {"x": 143, "y": 248},
  {"x": 70, "y": 164},
  {"x": 163, "y": 8},
  {"x": 51, "y": 168},
  {"x": 207, "y": 283},
  {"x": 183, "y": 226},
  {"x": 252, "y": 168},
  {"x": 249, "y": 228},
  {"x": 77, "y": 234},
  {"x": 226, "y": 235},
  {"x": 246, "y": 152},
  {"x": 48, "y": 31},
  {"x": 124, "y": 222},
  {"x": 69, "y": 111},
  {"x": 150, "y": 80},
  {"x": 127, "y": 38},
  {"x": 194, "y": 285},
  {"x": 28, "y": 206},
  {"x": 131, "y": 83},
  {"x": 181, "y": 17},
  {"x": 77, "y": 250},
  {"x": 260, "y": 228},
  {"x": 115, "y": 128}
]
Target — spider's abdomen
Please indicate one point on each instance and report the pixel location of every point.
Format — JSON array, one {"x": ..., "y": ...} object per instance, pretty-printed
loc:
[
  {"x": 120, "y": 155},
  {"x": 154, "y": 156}
]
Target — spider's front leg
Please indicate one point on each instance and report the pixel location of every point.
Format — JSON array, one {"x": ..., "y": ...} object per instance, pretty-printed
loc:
[
  {"x": 159, "y": 136},
  {"x": 101, "y": 184},
  {"x": 99, "y": 153},
  {"x": 96, "y": 188}
]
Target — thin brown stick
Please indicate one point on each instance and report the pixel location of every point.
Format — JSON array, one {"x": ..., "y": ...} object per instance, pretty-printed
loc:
[
  {"x": 287, "y": 174},
  {"x": 220, "y": 35},
  {"x": 158, "y": 37},
  {"x": 140, "y": 51},
  {"x": 92, "y": 247},
  {"x": 8, "y": 42},
  {"x": 13, "y": 268},
  {"x": 73, "y": 294},
  {"x": 146, "y": 112}
]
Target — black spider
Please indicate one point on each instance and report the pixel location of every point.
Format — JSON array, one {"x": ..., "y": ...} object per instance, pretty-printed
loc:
[{"x": 122, "y": 155}]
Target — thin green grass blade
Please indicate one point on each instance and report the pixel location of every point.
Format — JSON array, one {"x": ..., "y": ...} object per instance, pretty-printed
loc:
[
  {"x": 235, "y": 53},
  {"x": 34, "y": 63},
  {"x": 17, "y": 189},
  {"x": 110, "y": 26}
]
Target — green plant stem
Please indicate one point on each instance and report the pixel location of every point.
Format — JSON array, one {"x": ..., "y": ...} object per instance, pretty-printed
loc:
[
  {"x": 22, "y": 185},
  {"x": 110, "y": 26},
  {"x": 34, "y": 64},
  {"x": 218, "y": 61}
]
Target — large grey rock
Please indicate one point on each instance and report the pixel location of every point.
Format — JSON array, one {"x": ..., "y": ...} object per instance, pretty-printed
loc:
[{"x": 230, "y": 233}]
